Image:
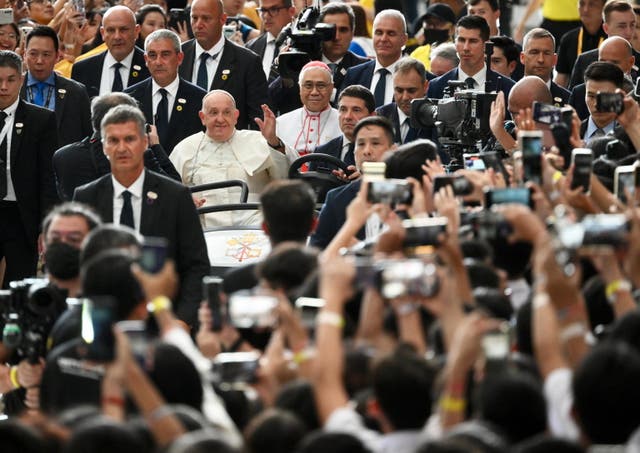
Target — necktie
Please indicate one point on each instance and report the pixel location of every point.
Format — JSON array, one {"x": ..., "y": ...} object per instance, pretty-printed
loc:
[
  {"x": 406, "y": 128},
  {"x": 381, "y": 87},
  {"x": 38, "y": 98},
  {"x": 203, "y": 76},
  {"x": 598, "y": 133},
  {"x": 3, "y": 159},
  {"x": 333, "y": 67},
  {"x": 117, "y": 78},
  {"x": 471, "y": 83},
  {"x": 349, "y": 158},
  {"x": 162, "y": 116},
  {"x": 126, "y": 215}
]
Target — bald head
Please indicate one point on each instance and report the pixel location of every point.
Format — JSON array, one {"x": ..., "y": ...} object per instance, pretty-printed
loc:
[
  {"x": 527, "y": 90},
  {"x": 618, "y": 51}
]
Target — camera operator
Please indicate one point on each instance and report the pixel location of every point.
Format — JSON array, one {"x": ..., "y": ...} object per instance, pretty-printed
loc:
[
  {"x": 64, "y": 230},
  {"x": 600, "y": 77},
  {"x": 471, "y": 34}
]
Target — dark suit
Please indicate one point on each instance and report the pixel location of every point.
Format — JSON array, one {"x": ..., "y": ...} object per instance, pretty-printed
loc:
[
  {"x": 184, "y": 115},
  {"x": 73, "y": 112},
  {"x": 332, "y": 148},
  {"x": 89, "y": 71},
  {"x": 576, "y": 100},
  {"x": 258, "y": 45},
  {"x": 585, "y": 59},
  {"x": 558, "y": 92},
  {"x": 333, "y": 214},
  {"x": 171, "y": 215},
  {"x": 240, "y": 73},
  {"x": 437, "y": 85},
  {"x": 84, "y": 161},
  {"x": 391, "y": 111},
  {"x": 33, "y": 141},
  {"x": 361, "y": 74}
]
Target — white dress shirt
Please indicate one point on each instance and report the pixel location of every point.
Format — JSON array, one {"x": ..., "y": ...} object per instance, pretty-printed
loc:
[
  {"x": 269, "y": 54},
  {"x": 136, "y": 199},
  {"x": 172, "y": 93},
  {"x": 106, "y": 81},
  {"x": 303, "y": 131},
  {"x": 479, "y": 77},
  {"x": 212, "y": 65},
  {"x": 388, "y": 92}
]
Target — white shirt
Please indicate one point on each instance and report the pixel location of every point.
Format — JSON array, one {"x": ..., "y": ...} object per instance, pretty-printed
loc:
[
  {"x": 212, "y": 65},
  {"x": 106, "y": 81},
  {"x": 303, "y": 131},
  {"x": 5, "y": 132},
  {"x": 136, "y": 199},
  {"x": 388, "y": 92},
  {"x": 479, "y": 77},
  {"x": 172, "y": 93},
  {"x": 269, "y": 53}
]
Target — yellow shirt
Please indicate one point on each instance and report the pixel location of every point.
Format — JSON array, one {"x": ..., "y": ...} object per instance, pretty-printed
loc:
[
  {"x": 423, "y": 54},
  {"x": 63, "y": 67},
  {"x": 368, "y": 5},
  {"x": 560, "y": 10}
]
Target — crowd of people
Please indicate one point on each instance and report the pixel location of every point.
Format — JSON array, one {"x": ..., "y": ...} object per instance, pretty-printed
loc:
[{"x": 451, "y": 202}]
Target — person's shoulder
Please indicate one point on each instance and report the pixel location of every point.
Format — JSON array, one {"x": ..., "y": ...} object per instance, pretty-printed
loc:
[
  {"x": 26, "y": 108},
  {"x": 445, "y": 77},
  {"x": 189, "y": 45},
  {"x": 363, "y": 66},
  {"x": 90, "y": 61},
  {"x": 190, "y": 88},
  {"x": 139, "y": 87},
  {"x": 252, "y": 43},
  {"x": 386, "y": 110},
  {"x": 571, "y": 35},
  {"x": 239, "y": 51},
  {"x": 69, "y": 84},
  {"x": 165, "y": 181},
  {"x": 354, "y": 59},
  {"x": 348, "y": 191},
  {"x": 289, "y": 115}
]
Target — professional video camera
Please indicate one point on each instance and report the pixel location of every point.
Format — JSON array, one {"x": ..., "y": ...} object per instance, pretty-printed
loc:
[
  {"x": 29, "y": 309},
  {"x": 461, "y": 116},
  {"x": 305, "y": 38}
]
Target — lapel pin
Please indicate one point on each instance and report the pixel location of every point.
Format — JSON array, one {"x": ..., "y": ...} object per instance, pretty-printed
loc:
[
  {"x": 179, "y": 108},
  {"x": 343, "y": 71},
  {"x": 225, "y": 74},
  {"x": 134, "y": 74},
  {"x": 136, "y": 67},
  {"x": 62, "y": 92},
  {"x": 151, "y": 197},
  {"x": 19, "y": 127},
  {"x": 182, "y": 101}
]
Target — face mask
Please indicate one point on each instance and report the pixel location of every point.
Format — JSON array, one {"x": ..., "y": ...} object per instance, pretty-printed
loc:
[
  {"x": 62, "y": 260},
  {"x": 432, "y": 35}
]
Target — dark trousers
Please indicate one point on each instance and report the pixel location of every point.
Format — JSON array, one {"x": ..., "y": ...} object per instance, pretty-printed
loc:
[{"x": 20, "y": 253}]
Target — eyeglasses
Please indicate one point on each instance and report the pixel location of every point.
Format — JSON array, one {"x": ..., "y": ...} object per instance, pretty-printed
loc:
[
  {"x": 320, "y": 86},
  {"x": 271, "y": 11}
]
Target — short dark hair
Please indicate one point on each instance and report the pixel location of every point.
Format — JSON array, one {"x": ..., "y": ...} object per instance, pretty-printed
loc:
[
  {"x": 360, "y": 92},
  {"x": 402, "y": 384},
  {"x": 109, "y": 236},
  {"x": 109, "y": 274},
  {"x": 146, "y": 10},
  {"x": 408, "y": 64},
  {"x": 509, "y": 47},
  {"x": 475, "y": 23},
  {"x": 601, "y": 71},
  {"x": 338, "y": 8},
  {"x": 44, "y": 31},
  {"x": 378, "y": 121},
  {"x": 274, "y": 431},
  {"x": 322, "y": 441},
  {"x": 284, "y": 200},
  {"x": 10, "y": 59},
  {"x": 288, "y": 265},
  {"x": 494, "y": 4},
  {"x": 71, "y": 209},
  {"x": 407, "y": 160},
  {"x": 606, "y": 393},
  {"x": 621, "y": 6}
]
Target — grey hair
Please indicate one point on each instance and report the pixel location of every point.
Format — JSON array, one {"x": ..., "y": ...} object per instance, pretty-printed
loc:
[
  {"x": 123, "y": 114},
  {"x": 391, "y": 13},
  {"x": 163, "y": 33},
  {"x": 100, "y": 105},
  {"x": 212, "y": 92},
  {"x": 447, "y": 51}
]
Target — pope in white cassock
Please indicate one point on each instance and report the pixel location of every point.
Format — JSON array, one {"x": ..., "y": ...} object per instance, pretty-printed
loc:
[
  {"x": 316, "y": 122},
  {"x": 222, "y": 152}
]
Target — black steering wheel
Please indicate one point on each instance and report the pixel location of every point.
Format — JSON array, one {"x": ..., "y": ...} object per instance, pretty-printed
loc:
[{"x": 321, "y": 179}]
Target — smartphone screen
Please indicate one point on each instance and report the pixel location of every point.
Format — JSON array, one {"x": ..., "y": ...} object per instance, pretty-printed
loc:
[
  {"x": 582, "y": 159},
  {"x": 211, "y": 289},
  {"x": 626, "y": 179},
  {"x": 153, "y": 254},
  {"x": 518, "y": 195},
  {"x": 98, "y": 317},
  {"x": 545, "y": 113},
  {"x": 531, "y": 145}
]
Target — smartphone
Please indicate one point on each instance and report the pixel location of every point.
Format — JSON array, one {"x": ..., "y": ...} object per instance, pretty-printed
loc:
[
  {"x": 308, "y": 308},
  {"x": 139, "y": 339},
  {"x": 153, "y": 254},
  {"x": 561, "y": 135},
  {"x": 235, "y": 367},
  {"x": 636, "y": 90},
  {"x": 78, "y": 5},
  {"x": 605, "y": 230},
  {"x": 496, "y": 346},
  {"x": 473, "y": 162},
  {"x": 581, "y": 159},
  {"x": 610, "y": 102},
  {"x": 546, "y": 113},
  {"x": 531, "y": 146},
  {"x": 390, "y": 191},
  {"x": 97, "y": 319},
  {"x": 229, "y": 30},
  {"x": 248, "y": 311},
  {"x": 211, "y": 290},
  {"x": 461, "y": 185},
  {"x": 518, "y": 195},
  {"x": 6, "y": 16},
  {"x": 492, "y": 160},
  {"x": 424, "y": 231},
  {"x": 176, "y": 16},
  {"x": 626, "y": 179},
  {"x": 24, "y": 31}
]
